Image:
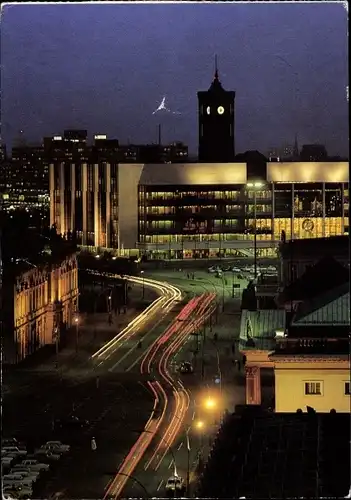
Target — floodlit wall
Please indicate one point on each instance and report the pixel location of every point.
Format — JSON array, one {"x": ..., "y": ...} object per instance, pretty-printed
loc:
[{"x": 290, "y": 379}]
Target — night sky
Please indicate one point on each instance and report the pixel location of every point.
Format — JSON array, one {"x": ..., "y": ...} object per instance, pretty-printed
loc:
[{"x": 106, "y": 68}]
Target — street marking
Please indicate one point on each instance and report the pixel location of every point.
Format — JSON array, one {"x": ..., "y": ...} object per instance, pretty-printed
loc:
[
  {"x": 170, "y": 463},
  {"x": 181, "y": 444},
  {"x": 159, "y": 486}
]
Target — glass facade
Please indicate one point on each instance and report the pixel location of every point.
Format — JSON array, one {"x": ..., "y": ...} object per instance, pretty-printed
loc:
[{"x": 212, "y": 216}]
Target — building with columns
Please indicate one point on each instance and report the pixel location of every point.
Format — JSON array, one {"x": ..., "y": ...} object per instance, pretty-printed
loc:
[
  {"x": 197, "y": 209},
  {"x": 39, "y": 304}
]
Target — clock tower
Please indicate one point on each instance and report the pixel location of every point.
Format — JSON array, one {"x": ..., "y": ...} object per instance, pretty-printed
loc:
[{"x": 216, "y": 123}]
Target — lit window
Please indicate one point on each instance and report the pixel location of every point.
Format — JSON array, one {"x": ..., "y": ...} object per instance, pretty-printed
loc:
[
  {"x": 313, "y": 388},
  {"x": 347, "y": 389}
]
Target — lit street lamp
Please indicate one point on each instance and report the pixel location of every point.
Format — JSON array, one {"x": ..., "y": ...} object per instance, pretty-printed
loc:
[
  {"x": 76, "y": 321},
  {"x": 255, "y": 186},
  {"x": 142, "y": 273}
]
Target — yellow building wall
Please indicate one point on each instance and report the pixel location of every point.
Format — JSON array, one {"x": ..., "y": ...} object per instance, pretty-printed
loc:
[{"x": 290, "y": 389}]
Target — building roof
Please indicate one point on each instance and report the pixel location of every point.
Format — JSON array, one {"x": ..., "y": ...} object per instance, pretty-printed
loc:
[
  {"x": 236, "y": 173},
  {"x": 193, "y": 174},
  {"x": 325, "y": 275},
  {"x": 259, "y": 327},
  {"x": 312, "y": 343},
  {"x": 302, "y": 171},
  {"x": 329, "y": 308},
  {"x": 279, "y": 455},
  {"x": 333, "y": 245}
]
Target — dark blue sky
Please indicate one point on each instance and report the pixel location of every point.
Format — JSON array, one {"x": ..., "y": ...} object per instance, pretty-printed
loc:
[{"x": 106, "y": 68}]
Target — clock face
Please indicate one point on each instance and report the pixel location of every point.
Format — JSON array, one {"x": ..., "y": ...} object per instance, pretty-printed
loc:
[
  {"x": 220, "y": 110},
  {"x": 208, "y": 110}
]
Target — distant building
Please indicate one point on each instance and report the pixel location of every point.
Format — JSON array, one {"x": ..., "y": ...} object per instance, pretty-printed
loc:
[
  {"x": 216, "y": 123},
  {"x": 24, "y": 179},
  {"x": 2, "y": 153},
  {"x": 313, "y": 152}
]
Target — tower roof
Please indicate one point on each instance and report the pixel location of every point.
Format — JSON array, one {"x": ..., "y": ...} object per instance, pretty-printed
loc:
[{"x": 216, "y": 84}]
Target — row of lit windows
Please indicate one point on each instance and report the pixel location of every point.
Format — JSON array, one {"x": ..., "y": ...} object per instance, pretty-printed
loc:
[{"x": 159, "y": 239}]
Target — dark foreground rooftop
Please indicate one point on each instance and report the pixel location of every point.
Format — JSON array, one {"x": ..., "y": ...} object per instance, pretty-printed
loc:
[{"x": 266, "y": 455}]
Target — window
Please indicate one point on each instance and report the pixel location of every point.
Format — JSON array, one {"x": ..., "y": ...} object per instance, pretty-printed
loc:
[
  {"x": 313, "y": 388},
  {"x": 347, "y": 389}
]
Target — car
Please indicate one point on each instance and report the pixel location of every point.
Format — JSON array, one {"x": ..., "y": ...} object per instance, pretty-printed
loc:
[
  {"x": 17, "y": 491},
  {"x": 186, "y": 367},
  {"x": 15, "y": 476},
  {"x": 175, "y": 483},
  {"x": 25, "y": 475},
  {"x": 226, "y": 269},
  {"x": 6, "y": 461},
  {"x": 14, "y": 450},
  {"x": 35, "y": 465},
  {"x": 31, "y": 473},
  {"x": 57, "y": 445},
  {"x": 236, "y": 270},
  {"x": 214, "y": 269},
  {"x": 45, "y": 455},
  {"x": 25, "y": 482},
  {"x": 72, "y": 423}
]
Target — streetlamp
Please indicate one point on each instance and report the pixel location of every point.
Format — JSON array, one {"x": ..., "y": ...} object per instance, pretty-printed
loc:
[
  {"x": 76, "y": 321},
  {"x": 142, "y": 273},
  {"x": 255, "y": 186}
]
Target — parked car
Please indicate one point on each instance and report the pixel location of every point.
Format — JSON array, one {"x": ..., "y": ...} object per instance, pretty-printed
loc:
[
  {"x": 57, "y": 445},
  {"x": 14, "y": 450},
  {"x": 186, "y": 367},
  {"x": 6, "y": 461},
  {"x": 45, "y": 455},
  {"x": 22, "y": 474},
  {"x": 25, "y": 482},
  {"x": 17, "y": 491},
  {"x": 14, "y": 476},
  {"x": 214, "y": 269},
  {"x": 35, "y": 465},
  {"x": 72, "y": 423},
  {"x": 31, "y": 473},
  {"x": 236, "y": 270}
]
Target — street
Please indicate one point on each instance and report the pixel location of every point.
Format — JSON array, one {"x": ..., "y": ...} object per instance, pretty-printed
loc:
[{"x": 201, "y": 385}]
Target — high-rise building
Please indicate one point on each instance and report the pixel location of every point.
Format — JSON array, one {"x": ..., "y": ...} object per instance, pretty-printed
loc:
[{"x": 216, "y": 123}]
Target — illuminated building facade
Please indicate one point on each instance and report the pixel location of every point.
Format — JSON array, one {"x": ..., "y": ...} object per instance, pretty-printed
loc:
[
  {"x": 38, "y": 304},
  {"x": 188, "y": 209}
]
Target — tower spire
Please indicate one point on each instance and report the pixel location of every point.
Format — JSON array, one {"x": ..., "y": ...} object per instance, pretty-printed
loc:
[
  {"x": 216, "y": 68},
  {"x": 296, "y": 148}
]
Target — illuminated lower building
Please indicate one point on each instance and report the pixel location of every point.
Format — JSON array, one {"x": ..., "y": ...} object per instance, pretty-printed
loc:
[
  {"x": 198, "y": 209},
  {"x": 39, "y": 304}
]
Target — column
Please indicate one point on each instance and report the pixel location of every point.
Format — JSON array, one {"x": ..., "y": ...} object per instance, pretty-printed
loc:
[
  {"x": 73, "y": 198},
  {"x": 84, "y": 175},
  {"x": 323, "y": 211},
  {"x": 292, "y": 211},
  {"x": 97, "y": 207},
  {"x": 273, "y": 213},
  {"x": 62, "y": 188},
  {"x": 342, "y": 209},
  {"x": 253, "y": 385}
]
